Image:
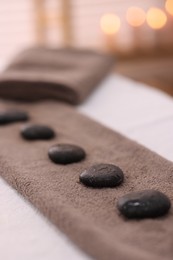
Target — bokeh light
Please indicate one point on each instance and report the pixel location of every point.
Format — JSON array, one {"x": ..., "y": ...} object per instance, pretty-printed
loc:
[
  {"x": 135, "y": 16},
  {"x": 169, "y": 6},
  {"x": 110, "y": 23},
  {"x": 156, "y": 18}
]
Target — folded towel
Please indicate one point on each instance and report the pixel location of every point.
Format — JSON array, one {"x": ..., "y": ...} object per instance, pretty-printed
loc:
[
  {"x": 66, "y": 74},
  {"x": 88, "y": 216}
]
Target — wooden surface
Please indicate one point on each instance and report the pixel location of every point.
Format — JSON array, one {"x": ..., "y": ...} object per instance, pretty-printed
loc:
[{"x": 156, "y": 72}]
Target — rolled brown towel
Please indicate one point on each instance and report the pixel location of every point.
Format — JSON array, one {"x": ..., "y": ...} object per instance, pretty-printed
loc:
[
  {"x": 66, "y": 74},
  {"x": 89, "y": 216}
]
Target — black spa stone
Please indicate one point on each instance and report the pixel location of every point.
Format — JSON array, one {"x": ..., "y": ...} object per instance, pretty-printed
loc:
[
  {"x": 102, "y": 176},
  {"x": 66, "y": 153},
  {"x": 37, "y": 132},
  {"x": 144, "y": 204},
  {"x": 12, "y": 116}
]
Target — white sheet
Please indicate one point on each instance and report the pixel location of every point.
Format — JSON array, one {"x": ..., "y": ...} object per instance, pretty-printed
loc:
[
  {"x": 136, "y": 110},
  {"x": 139, "y": 112}
]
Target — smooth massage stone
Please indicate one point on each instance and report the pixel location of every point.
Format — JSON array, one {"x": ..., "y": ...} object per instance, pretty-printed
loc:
[
  {"x": 12, "y": 116},
  {"x": 37, "y": 132},
  {"x": 66, "y": 153},
  {"x": 144, "y": 204},
  {"x": 102, "y": 176}
]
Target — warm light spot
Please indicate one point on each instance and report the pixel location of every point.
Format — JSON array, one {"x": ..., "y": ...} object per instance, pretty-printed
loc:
[
  {"x": 169, "y": 6},
  {"x": 135, "y": 16},
  {"x": 156, "y": 18},
  {"x": 110, "y": 23}
]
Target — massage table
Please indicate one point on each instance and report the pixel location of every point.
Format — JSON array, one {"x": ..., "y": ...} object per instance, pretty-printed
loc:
[{"x": 134, "y": 109}]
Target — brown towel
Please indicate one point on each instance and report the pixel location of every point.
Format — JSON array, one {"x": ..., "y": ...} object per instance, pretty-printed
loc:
[
  {"x": 66, "y": 74},
  {"x": 89, "y": 216}
]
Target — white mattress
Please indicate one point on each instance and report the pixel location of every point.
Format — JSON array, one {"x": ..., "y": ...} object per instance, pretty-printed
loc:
[{"x": 137, "y": 111}]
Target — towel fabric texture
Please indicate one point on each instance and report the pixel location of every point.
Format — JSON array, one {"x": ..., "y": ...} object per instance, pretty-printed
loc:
[
  {"x": 88, "y": 216},
  {"x": 65, "y": 74}
]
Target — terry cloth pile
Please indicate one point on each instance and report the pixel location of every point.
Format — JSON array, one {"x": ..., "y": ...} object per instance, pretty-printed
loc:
[
  {"x": 66, "y": 74},
  {"x": 88, "y": 216}
]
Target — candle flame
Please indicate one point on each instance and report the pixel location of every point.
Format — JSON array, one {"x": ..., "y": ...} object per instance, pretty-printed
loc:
[
  {"x": 135, "y": 16},
  {"x": 110, "y": 23},
  {"x": 169, "y": 6},
  {"x": 156, "y": 18}
]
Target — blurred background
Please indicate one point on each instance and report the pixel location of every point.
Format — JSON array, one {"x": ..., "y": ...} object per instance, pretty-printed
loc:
[{"x": 139, "y": 33}]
